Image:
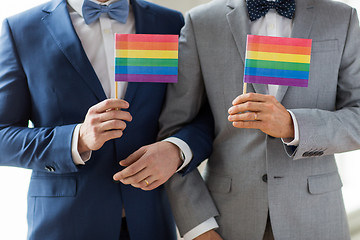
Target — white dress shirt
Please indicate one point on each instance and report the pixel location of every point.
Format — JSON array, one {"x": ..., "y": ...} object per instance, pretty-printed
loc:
[
  {"x": 98, "y": 42},
  {"x": 272, "y": 24}
]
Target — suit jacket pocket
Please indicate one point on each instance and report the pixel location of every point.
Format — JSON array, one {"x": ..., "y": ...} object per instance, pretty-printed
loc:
[
  {"x": 324, "y": 183},
  {"x": 220, "y": 184},
  {"x": 324, "y": 46},
  {"x": 52, "y": 187}
]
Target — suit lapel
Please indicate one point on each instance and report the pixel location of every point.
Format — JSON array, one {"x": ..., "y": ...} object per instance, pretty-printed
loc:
[
  {"x": 144, "y": 24},
  {"x": 59, "y": 25},
  {"x": 303, "y": 21},
  {"x": 239, "y": 23}
]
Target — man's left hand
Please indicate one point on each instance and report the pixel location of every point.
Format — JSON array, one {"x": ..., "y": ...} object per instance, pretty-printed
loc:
[
  {"x": 150, "y": 166},
  {"x": 264, "y": 112}
]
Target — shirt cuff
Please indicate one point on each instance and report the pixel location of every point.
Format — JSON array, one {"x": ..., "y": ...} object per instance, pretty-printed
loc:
[
  {"x": 295, "y": 141},
  {"x": 200, "y": 229},
  {"x": 79, "y": 159},
  {"x": 185, "y": 151}
]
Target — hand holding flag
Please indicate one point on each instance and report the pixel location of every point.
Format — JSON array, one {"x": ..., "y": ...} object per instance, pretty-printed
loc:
[{"x": 277, "y": 61}]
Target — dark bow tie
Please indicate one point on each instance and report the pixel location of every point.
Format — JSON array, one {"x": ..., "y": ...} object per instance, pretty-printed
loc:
[
  {"x": 259, "y": 8},
  {"x": 118, "y": 10}
]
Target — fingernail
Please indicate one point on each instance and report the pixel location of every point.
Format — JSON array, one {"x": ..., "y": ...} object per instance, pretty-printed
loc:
[{"x": 116, "y": 181}]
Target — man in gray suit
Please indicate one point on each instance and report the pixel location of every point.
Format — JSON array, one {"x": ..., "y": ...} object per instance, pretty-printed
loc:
[{"x": 272, "y": 173}]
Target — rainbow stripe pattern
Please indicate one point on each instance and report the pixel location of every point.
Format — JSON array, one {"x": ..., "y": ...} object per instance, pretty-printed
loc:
[
  {"x": 146, "y": 58},
  {"x": 277, "y": 60}
]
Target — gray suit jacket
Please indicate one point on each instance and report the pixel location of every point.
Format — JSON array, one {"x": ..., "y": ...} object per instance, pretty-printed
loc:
[{"x": 302, "y": 188}]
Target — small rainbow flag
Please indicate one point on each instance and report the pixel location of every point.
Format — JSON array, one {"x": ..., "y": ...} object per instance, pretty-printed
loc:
[
  {"x": 277, "y": 60},
  {"x": 146, "y": 58}
]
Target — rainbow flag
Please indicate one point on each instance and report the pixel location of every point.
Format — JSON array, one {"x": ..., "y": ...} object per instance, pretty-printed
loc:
[
  {"x": 146, "y": 58},
  {"x": 277, "y": 60}
]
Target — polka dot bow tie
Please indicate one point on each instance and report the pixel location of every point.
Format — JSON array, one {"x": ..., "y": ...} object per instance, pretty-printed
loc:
[{"x": 259, "y": 8}]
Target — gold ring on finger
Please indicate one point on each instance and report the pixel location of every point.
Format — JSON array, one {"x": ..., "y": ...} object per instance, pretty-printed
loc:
[{"x": 146, "y": 181}]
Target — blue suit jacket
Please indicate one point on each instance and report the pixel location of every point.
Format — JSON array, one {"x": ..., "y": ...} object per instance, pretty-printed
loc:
[{"x": 46, "y": 77}]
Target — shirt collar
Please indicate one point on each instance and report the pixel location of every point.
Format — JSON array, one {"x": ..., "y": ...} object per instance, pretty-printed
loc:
[{"x": 77, "y": 4}]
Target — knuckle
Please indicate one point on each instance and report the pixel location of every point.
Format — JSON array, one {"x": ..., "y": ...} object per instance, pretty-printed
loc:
[
  {"x": 251, "y": 95},
  {"x": 92, "y": 110},
  {"x": 249, "y": 115},
  {"x": 108, "y": 103},
  {"x": 272, "y": 98},
  {"x": 113, "y": 114},
  {"x": 136, "y": 179},
  {"x": 92, "y": 120},
  {"x": 249, "y": 105},
  {"x": 95, "y": 129},
  {"x": 272, "y": 107},
  {"x": 131, "y": 170}
]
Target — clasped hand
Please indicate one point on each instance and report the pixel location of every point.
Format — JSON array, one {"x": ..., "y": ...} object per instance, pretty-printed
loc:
[
  {"x": 263, "y": 112},
  {"x": 150, "y": 166}
]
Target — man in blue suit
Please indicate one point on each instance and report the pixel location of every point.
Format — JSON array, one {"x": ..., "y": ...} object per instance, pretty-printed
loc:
[{"x": 56, "y": 69}]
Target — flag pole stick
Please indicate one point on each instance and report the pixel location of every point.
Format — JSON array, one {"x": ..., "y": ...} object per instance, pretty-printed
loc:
[
  {"x": 116, "y": 90},
  {"x": 244, "y": 88}
]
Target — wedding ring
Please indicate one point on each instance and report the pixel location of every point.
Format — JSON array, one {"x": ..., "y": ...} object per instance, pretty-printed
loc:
[
  {"x": 147, "y": 183},
  {"x": 256, "y": 116}
]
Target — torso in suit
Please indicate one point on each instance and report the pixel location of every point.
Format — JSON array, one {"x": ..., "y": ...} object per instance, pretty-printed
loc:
[
  {"x": 46, "y": 77},
  {"x": 250, "y": 174}
]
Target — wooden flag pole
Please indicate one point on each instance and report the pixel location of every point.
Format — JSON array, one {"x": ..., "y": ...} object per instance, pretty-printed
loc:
[
  {"x": 116, "y": 90},
  {"x": 244, "y": 88}
]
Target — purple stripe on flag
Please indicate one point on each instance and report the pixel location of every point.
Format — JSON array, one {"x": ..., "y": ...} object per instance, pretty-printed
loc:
[
  {"x": 146, "y": 78},
  {"x": 276, "y": 81}
]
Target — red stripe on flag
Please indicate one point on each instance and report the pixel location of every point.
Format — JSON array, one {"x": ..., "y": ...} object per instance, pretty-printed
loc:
[
  {"x": 147, "y": 38},
  {"x": 173, "y": 46},
  {"x": 279, "y": 41}
]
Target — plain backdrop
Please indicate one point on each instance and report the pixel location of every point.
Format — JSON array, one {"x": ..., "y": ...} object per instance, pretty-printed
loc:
[{"x": 14, "y": 181}]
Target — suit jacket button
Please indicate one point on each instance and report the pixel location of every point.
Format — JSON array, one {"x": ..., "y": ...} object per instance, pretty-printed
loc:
[
  {"x": 306, "y": 154},
  {"x": 311, "y": 154},
  {"x": 319, "y": 153},
  {"x": 265, "y": 178},
  {"x": 50, "y": 168}
]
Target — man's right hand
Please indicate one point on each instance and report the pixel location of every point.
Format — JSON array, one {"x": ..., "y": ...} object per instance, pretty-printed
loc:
[
  {"x": 209, "y": 235},
  {"x": 103, "y": 122}
]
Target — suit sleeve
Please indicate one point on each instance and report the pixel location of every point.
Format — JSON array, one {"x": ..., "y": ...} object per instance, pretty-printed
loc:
[
  {"x": 190, "y": 201},
  {"x": 325, "y": 132},
  {"x": 187, "y": 115},
  {"x": 41, "y": 149}
]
